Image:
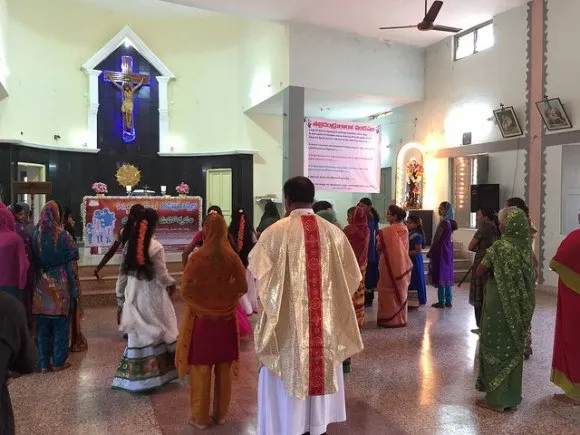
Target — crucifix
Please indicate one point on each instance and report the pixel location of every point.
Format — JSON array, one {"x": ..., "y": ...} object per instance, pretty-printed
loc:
[{"x": 128, "y": 83}]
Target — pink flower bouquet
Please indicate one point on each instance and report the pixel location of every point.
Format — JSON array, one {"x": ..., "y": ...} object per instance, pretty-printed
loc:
[
  {"x": 100, "y": 187},
  {"x": 182, "y": 189}
]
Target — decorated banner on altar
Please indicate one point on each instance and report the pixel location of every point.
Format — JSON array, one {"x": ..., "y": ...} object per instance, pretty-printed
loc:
[
  {"x": 343, "y": 156},
  {"x": 179, "y": 219}
]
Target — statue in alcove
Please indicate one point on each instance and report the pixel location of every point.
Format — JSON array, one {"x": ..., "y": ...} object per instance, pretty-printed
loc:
[{"x": 413, "y": 197}]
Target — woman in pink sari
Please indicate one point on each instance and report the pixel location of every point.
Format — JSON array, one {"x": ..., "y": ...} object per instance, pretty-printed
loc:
[
  {"x": 395, "y": 268},
  {"x": 13, "y": 260}
]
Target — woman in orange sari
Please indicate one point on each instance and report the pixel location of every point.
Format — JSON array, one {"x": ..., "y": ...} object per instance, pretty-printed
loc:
[
  {"x": 566, "y": 359},
  {"x": 213, "y": 282},
  {"x": 395, "y": 268}
]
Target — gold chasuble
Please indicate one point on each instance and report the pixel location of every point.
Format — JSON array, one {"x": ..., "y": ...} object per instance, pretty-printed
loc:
[{"x": 307, "y": 273}]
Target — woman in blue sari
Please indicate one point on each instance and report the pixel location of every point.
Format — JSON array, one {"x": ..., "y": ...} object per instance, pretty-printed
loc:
[{"x": 55, "y": 289}]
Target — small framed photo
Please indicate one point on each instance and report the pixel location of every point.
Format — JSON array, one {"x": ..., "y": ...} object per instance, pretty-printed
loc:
[
  {"x": 554, "y": 114},
  {"x": 507, "y": 122}
]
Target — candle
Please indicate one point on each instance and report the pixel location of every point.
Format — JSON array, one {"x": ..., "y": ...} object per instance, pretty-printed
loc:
[
  {"x": 128, "y": 189},
  {"x": 163, "y": 190}
]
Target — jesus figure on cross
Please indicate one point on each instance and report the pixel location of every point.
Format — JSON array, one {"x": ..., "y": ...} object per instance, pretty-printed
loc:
[
  {"x": 127, "y": 105},
  {"x": 128, "y": 83}
]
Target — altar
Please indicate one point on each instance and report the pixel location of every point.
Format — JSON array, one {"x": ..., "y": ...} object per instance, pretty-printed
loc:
[{"x": 104, "y": 216}]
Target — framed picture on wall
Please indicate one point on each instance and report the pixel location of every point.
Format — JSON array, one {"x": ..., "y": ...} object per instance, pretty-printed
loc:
[
  {"x": 553, "y": 114},
  {"x": 507, "y": 122}
]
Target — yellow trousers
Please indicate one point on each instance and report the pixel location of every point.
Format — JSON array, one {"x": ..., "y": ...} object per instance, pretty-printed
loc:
[{"x": 200, "y": 391}]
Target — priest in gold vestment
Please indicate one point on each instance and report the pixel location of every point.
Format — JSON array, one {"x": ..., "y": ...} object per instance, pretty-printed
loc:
[{"x": 307, "y": 274}]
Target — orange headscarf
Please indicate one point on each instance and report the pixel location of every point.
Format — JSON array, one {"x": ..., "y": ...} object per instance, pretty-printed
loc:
[{"x": 212, "y": 283}]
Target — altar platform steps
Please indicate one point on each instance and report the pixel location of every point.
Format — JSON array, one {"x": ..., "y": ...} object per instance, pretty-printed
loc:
[
  {"x": 98, "y": 293},
  {"x": 461, "y": 264}
]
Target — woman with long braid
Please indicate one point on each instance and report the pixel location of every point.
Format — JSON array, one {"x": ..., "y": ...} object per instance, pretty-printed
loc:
[{"x": 144, "y": 289}]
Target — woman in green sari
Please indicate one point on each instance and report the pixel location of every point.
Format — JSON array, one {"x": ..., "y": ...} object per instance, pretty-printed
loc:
[{"x": 507, "y": 312}]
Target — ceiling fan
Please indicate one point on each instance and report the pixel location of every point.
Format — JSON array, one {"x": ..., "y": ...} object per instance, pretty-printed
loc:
[{"x": 428, "y": 22}]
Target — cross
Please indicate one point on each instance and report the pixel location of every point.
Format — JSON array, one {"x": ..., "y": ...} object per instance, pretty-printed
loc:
[{"x": 124, "y": 81}]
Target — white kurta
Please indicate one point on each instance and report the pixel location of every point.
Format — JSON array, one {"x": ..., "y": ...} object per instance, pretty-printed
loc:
[
  {"x": 252, "y": 287},
  {"x": 149, "y": 320},
  {"x": 148, "y": 314},
  {"x": 286, "y": 415},
  {"x": 252, "y": 291}
]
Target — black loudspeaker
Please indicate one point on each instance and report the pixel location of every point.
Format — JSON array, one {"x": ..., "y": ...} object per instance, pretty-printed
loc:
[{"x": 484, "y": 195}]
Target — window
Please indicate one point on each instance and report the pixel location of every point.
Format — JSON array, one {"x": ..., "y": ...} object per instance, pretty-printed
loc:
[{"x": 473, "y": 41}]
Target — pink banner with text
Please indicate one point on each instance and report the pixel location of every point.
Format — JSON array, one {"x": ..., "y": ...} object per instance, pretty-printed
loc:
[{"x": 343, "y": 156}]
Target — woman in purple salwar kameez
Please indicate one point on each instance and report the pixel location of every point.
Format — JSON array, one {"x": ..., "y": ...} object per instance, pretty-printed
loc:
[{"x": 441, "y": 272}]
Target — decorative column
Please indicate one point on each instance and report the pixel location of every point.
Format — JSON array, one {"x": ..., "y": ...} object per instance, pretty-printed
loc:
[
  {"x": 462, "y": 171},
  {"x": 93, "y": 108},
  {"x": 536, "y": 92},
  {"x": 163, "y": 112},
  {"x": 293, "y": 133}
]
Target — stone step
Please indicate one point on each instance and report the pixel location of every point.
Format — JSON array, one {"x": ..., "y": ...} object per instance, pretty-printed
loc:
[
  {"x": 102, "y": 292},
  {"x": 104, "y": 297},
  {"x": 458, "y": 275},
  {"x": 108, "y": 282},
  {"x": 458, "y": 262},
  {"x": 97, "y": 293},
  {"x": 113, "y": 269}
]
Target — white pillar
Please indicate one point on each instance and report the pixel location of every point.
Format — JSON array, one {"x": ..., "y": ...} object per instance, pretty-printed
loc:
[
  {"x": 295, "y": 160},
  {"x": 163, "y": 112},
  {"x": 93, "y": 108}
]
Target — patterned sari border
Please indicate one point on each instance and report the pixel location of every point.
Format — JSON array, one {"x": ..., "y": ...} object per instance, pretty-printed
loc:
[
  {"x": 572, "y": 389},
  {"x": 570, "y": 278}
]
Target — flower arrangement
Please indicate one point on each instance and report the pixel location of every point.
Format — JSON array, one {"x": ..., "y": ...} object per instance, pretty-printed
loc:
[
  {"x": 182, "y": 189},
  {"x": 100, "y": 187}
]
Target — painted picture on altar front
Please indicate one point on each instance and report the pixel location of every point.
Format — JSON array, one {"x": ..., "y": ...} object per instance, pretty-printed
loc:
[{"x": 101, "y": 229}]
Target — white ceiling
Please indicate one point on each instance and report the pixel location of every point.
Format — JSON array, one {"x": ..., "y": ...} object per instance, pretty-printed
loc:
[
  {"x": 362, "y": 17},
  {"x": 332, "y": 105},
  {"x": 154, "y": 8}
]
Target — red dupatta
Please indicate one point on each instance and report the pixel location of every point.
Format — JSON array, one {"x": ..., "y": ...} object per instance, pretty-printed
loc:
[{"x": 358, "y": 235}]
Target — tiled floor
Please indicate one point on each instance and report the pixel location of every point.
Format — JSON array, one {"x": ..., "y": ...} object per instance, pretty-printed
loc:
[{"x": 416, "y": 380}]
